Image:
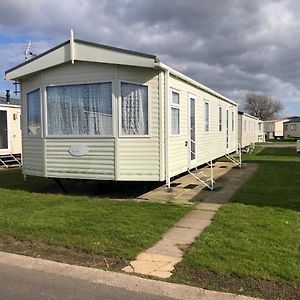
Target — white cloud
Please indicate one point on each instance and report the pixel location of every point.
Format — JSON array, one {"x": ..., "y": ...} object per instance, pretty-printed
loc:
[{"x": 232, "y": 46}]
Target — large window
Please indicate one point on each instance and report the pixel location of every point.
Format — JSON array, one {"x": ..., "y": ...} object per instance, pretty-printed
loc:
[
  {"x": 34, "y": 113},
  {"x": 83, "y": 109},
  {"x": 134, "y": 109},
  {"x": 175, "y": 113},
  {"x": 206, "y": 116},
  {"x": 220, "y": 118}
]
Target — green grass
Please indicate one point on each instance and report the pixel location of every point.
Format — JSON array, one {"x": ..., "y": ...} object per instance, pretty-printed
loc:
[
  {"x": 112, "y": 228},
  {"x": 257, "y": 234}
]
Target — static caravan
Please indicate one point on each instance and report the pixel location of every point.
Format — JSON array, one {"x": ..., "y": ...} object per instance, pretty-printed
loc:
[
  {"x": 10, "y": 133},
  {"x": 92, "y": 111},
  {"x": 273, "y": 129},
  {"x": 292, "y": 128},
  {"x": 249, "y": 130}
]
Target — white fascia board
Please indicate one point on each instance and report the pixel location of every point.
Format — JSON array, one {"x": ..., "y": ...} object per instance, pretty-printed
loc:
[
  {"x": 88, "y": 52},
  {"x": 194, "y": 82},
  {"x": 10, "y": 105},
  {"x": 250, "y": 116},
  {"x": 53, "y": 58}
]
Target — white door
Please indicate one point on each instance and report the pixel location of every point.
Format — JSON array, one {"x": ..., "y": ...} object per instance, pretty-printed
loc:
[
  {"x": 3, "y": 131},
  {"x": 192, "y": 131},
  {"x": 227, "y": 129}
]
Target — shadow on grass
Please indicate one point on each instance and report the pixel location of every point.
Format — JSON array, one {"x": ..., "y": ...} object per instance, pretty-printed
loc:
[
  {"x": 275, "y": 184},
  {"x": 269, "y": 151},
  {"x": 13, "y": 180}
]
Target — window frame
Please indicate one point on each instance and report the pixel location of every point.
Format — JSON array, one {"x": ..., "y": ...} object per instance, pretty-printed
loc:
[
  {"x": 120, "y": 135},
  {"x": 25, "y": 131},
  {"x": 208, "y": 117},
  {"x": 175, "y": 106},
  {"x": 71, "y": 136}
]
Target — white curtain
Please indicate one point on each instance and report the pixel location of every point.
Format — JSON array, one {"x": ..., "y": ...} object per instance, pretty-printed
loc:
[
  {"x": 134, "y": 99},
  {"x": 84, "y": 109}
]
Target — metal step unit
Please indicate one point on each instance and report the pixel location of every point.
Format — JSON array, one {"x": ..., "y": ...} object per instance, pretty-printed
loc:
[{"x": 10, "y": 160}]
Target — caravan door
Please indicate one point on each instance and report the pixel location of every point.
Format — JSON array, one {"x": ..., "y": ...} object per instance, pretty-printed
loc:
[
  {"x": 3, "y": 131},
  {"x": 192, "y": 131}
]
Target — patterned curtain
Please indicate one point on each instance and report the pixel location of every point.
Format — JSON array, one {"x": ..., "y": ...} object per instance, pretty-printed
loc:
[
  {"x": 134, "y": 107},
  {"x": 84, "y": 109}
]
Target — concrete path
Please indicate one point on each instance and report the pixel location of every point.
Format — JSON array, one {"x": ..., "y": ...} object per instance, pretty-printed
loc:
[
  {"x": 23, "y": 277},
  {"x": 160, "y": 259},
  {"x": 186, "y": 187}
]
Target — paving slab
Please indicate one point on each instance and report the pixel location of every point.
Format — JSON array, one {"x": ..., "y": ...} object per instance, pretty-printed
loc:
[
  {"x": 182, "y": 235},
  {"x": 208, "y": 206},
  {"x": 193, "y": 223},
  {"x": 166, "y": 247}
]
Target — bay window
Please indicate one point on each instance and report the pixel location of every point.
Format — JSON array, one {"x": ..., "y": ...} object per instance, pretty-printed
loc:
[
  {"x": 79, "y": 110},
  {"x": 34, "y": 113}
]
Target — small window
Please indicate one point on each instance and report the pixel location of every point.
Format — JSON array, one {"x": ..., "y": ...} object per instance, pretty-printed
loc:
[
  {"x": 34, "y": 113},
  {"x": 259, "y": 126},
  {"x": 293, "y": 127},
  {"x": 175, "y": 113},
  {"x": 134, "y": 109},
  {"x": 206, "y": 116},
  {"x": 220, "y": 118},
  {"x": 232, "y": 121},
  {"x": 82, "y": 109}
]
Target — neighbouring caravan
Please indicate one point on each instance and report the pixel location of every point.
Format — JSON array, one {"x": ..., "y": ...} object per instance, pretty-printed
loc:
[
  {"x": 250, "y": 130},
  {"x": 97, "y": 112},
  {"x": 291, "y": 128},
  {"x": 273, "y": 129},
  {"x": 10, "y": 130}
]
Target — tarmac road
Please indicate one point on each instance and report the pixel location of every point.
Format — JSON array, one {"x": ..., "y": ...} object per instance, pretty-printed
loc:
[{"x": 18, "y": 283}]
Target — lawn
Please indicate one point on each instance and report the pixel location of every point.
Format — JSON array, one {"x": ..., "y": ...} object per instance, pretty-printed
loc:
[
  {"x": 253, "y": 244},
  {"x": 35, "y": 211}
]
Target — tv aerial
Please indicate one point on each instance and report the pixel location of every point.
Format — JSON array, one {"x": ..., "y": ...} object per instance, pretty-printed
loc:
[{"x": 29, "y": 54}]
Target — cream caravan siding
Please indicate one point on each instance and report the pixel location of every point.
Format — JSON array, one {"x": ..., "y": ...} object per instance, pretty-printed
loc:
[
  {"x": 248, "y": 130},
  {"x": 32, "y": 147},
  {"x": 139, "y": 157},
  {"x": 33, "y": 156},
  {"x": 208, "y": 144},
  {"x": 97, "y": 164}
]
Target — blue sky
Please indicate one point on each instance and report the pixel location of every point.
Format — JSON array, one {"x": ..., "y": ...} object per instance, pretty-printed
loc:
[{"x": 234, "y": 47}]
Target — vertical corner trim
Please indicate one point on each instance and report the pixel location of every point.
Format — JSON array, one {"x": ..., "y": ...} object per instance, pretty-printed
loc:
[{"x": 72, "y": 47}]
